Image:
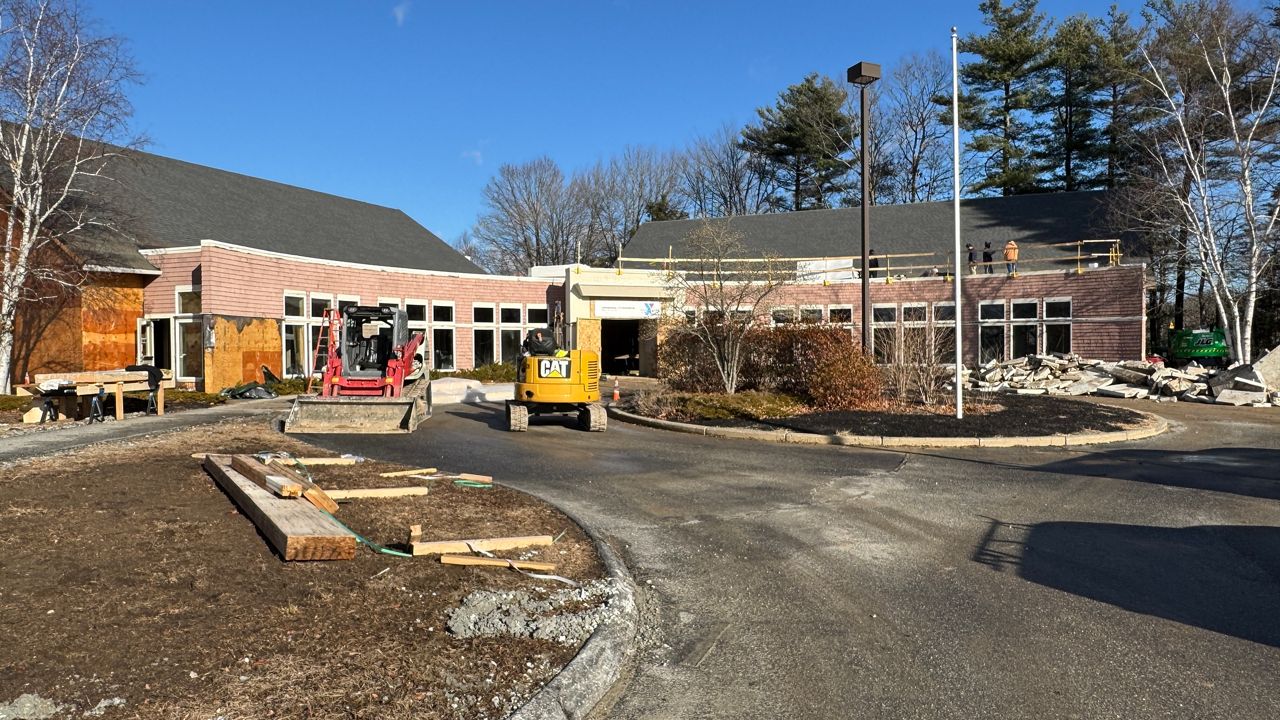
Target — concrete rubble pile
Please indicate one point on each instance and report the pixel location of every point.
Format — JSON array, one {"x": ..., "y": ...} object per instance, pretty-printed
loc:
[{"x": 1256, "y": 385}]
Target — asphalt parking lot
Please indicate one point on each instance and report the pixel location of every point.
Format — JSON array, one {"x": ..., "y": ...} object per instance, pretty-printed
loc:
[{"x": 1139, "y": 580}]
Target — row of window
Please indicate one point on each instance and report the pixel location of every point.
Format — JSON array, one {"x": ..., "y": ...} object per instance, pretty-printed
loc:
[
  {"x": 313, "y": 307},
  {"x": 988, "y": 311}
]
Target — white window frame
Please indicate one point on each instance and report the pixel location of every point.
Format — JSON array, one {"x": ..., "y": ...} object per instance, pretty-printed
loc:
[
  {"x": 480, "y": 306},
  {"x": 795, "y": 315},
  {"x": 453, "y": 351},
  {"x": 397, "y": 302},
  {"x": 493, "y": 334},
  {"x": 284, "y": 305},
  {"x": 306, "y": 343},
  {"x": 178, "y": 322},
  {"x": 1058, "y": 320},
  {"x": 177, "y": 299},
  {"x": 1004, "y": 314},
  {"x": 896, "y": 314},
  {"x": 933, "y": 311},
  {"x": 902, "y": 313},
  {"x": 346, "y": 298},
  {"x": 426, "y": 313},
  {"x": 510, "y": 306},
  {"x": 529, "y": 307},
  {"x": 311, "y": 298},
  {"x": 852, "y": 319},
  {"x": 1024, "y": 321},
  {"x": 453, "y": 313},
  {"x": 822, "y": 313}
]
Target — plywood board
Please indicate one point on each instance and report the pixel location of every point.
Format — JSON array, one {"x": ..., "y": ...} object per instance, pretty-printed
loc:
[
  {"x": 406, "y": 473},
  {"x": 295, "y": 529}
]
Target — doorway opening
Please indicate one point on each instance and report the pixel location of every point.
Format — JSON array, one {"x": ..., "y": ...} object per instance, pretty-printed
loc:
[{"x": 620, "y": 347}]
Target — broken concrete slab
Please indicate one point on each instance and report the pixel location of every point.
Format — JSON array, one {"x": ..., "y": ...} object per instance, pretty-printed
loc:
[
  {"x": 1268, "y": 367},
  {"x": 1239, "y": 397},
  {"x": 1249, "y": 381},
  {"x": 1127, "y": 375},
  {"x": 1123, "y": 391}
]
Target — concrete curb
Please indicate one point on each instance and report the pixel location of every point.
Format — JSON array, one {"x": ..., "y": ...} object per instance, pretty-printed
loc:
[
  {"x": 1153, "y": 426},
  {"x": 578, "y": 688}
]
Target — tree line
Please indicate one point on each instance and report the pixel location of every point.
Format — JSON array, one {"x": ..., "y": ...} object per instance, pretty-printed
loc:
[{"x": 1175, "y": 110}]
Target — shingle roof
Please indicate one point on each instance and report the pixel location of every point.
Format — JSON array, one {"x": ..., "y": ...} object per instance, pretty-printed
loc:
[
  {"x": 171, "y": 203},
  {"x": 1034, "y": 221}
]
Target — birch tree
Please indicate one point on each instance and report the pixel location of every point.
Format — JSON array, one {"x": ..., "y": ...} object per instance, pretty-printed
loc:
[
  {"x": 727, "y": 290},
  {"x": 1213, "y": 73},
  {"x": 62, "y": 101}
]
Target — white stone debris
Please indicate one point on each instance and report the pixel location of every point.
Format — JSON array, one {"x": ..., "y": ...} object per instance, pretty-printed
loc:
[{"x": 1256, "y": 385}]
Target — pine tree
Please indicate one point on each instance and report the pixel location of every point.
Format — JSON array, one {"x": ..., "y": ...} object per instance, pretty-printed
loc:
[
  {"x": 1070, "y": 146},
  {"x": 1005, "y": 86},
  {"x": 801, "y": 140},
  {"x": 1120, "y": 67}
]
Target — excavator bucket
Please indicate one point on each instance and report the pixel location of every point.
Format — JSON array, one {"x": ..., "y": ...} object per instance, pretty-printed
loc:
[{"x": 357, "y": 415}]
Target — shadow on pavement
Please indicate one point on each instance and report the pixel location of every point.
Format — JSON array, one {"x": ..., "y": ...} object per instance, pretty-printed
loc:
[
  {"x": 1224, "y": 578},
  {"x": 1243, "y": 471},
  {"x": 495, "y": 417}
]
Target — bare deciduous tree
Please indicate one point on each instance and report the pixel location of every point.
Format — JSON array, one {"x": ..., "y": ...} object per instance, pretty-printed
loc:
[
  {"x": 532, "y": 217},
  {"x": 618, "y": 193},
  {"x": 718, "y": 178},
  {"x": 919, "y": 141},
  {"x": 1214, "y": 73},
  {"x": 726, "y": 289},
  {"x": 62, "y": 104}
]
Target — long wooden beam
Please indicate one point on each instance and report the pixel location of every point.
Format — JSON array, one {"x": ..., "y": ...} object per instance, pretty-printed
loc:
[
  {"x": 262, "y": 475},
  {"x": 376, "y": 493},
  {"x": 295, "y": 529}
]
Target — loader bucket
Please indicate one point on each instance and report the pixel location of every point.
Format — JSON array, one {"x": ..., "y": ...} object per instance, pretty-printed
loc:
[{"x": 356, "y": 415}]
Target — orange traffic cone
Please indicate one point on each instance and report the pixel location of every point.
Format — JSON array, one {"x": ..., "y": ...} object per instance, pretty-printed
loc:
[{"x": 616, "y": 396}]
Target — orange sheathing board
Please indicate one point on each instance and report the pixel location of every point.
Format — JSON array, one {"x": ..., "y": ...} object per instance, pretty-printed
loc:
[
  {"x": 110, "y": 308},
  {"x": 241, "y": 347},
  {"x": 588, "y": 335},
  {"x": 175, "y": 269},
  {"x": 48, "y": 337}
]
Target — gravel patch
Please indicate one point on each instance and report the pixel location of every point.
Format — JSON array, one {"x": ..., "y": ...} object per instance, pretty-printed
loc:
[{"x": 567, "y": 617}]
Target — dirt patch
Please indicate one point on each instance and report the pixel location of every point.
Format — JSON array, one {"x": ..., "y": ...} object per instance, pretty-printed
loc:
[
  {"x": 131, "y": 585},
  {"x": 996, "y": 416}
]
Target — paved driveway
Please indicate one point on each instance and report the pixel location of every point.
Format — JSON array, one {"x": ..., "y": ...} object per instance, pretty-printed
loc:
[{"x": 1137, "y": 581}]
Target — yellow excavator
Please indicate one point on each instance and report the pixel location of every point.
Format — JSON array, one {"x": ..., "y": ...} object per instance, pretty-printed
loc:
[{"x": 550, "y": 380}]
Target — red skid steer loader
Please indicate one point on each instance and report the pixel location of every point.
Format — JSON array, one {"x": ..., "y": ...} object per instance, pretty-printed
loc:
[{"x": 373, "y": 379}]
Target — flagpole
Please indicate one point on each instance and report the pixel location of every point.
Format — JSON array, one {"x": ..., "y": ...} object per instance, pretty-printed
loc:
[{"x": 955, "y": 169}]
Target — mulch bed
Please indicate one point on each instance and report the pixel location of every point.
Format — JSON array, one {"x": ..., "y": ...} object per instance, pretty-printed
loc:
[
  {"x": 1000, "y": 416},
  {"x": 125, "y": 572}
]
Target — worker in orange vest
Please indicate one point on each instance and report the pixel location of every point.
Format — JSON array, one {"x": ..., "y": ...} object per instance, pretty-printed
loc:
[{"x": 1011, "y": 256}]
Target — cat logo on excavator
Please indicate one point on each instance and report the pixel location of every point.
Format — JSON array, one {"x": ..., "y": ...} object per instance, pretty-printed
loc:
[{"x": 553, "y": 367}]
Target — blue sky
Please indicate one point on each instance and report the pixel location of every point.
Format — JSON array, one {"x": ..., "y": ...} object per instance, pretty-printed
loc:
[{"x": 415, "y": 103}]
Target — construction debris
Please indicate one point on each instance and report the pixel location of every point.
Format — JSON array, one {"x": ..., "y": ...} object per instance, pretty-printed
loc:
[
  {"x": 497, "y": 562},
  {"x": 1256, "y": 385},
  {"x": 406, "y": 473}
]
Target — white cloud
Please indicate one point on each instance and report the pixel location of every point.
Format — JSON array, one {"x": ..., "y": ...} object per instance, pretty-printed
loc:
[
  {"x": 475, "y": 156},
  {"x": 401, "y": 11}
]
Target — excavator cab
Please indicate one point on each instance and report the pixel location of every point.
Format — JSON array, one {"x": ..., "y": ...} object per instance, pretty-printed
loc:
[{"x": 551, "y": 380}]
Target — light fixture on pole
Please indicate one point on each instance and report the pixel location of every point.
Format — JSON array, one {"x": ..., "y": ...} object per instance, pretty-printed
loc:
[
  {"x": 862, "y": 75},
  {"x": 955, "y": 204}
]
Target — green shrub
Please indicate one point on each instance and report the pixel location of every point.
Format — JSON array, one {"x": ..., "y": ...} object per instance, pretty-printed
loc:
[{"x": 492, "y": 373}]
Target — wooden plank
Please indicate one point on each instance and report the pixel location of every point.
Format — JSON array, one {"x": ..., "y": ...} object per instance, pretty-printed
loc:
[
  {"x": 296, "y": 530},
  {"x": 486, "y": 544},
  {"x": 97, "y": 377},
  {"x": 376, "y": 493},
  {"x": 262, "y": 475},
  {"x": 469, "y": 477},
  {"x": 316, "y": 460},
  {"x": 496, "y": 562},
  {"x": 160, "y": 400},
  {"x": 119, "y": 401},
  {"x": 311, "y": 491},
  {"x": 406, "y": 473}
]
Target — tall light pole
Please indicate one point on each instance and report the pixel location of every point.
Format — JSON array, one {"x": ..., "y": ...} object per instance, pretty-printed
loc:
[
  {"x": 955, "y": 205},
  {"x": 862, "y": 75}
]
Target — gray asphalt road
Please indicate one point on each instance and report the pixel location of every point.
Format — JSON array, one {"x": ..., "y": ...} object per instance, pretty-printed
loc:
[{"x": 1137, "y": 581}]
